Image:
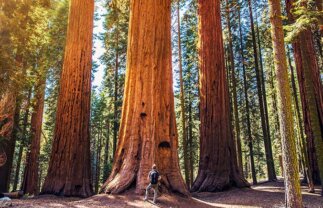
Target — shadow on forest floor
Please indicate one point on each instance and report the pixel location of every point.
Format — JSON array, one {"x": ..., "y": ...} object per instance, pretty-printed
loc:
[{"x": 270, "y": 194}]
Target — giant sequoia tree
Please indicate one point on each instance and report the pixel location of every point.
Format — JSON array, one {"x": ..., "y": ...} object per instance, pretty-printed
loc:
[
  {"x": 218, "y": 162},
  {"x": 69, "y": 167},
  {"x": 148, "y": 131}
]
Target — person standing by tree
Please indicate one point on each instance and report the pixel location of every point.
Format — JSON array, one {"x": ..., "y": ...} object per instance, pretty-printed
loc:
[{"x": 153, "y": 177}]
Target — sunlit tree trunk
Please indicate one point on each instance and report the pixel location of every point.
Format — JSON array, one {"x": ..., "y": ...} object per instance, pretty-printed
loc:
[
  {"x": 218, "y": 167},
  {"x": 148, "y": 131},
  {"x": 69, "y": 171},
  {"x": 290, "y": 162}
]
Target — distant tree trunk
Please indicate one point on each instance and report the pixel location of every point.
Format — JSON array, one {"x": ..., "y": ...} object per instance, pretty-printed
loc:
[
  {"x": 190, "y": 141},
  {"x": 98, "y": 159},
  {"x": 93, "y": 156},
  {"x": 272, "y": 172},
  {"x": 182, "y": 99},
  {"x": 23, "y": 142},
  {"x": 234, "y": 91},
  {"x": 106, "y": 151},
  {"x": 30, "y": 181},
  {"x": 116, "y": 88},
  {"x": 249, "y": 139},
  {"x": 9, "y": 116},
  {"x": 311, "y": 92},
  {"x": 148, "y": 131},
  {"x": 304, "y": 153},
  {"x": 218, "y": 161},
  {"x": 69, "y": 171},
  {"x": 291, "y": 176},
  {"x": 267, "y": 142}
]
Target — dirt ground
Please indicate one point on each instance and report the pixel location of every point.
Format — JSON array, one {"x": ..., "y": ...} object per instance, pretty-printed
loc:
[{"x": 263, "y": 195}]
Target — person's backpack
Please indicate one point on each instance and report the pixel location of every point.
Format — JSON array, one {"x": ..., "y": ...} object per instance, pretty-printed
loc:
[{"x": 154, "y": 177}]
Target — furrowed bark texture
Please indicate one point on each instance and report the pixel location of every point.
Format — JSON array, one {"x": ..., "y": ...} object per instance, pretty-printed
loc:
[
  {"x": 218, "y": 168},
  {"x": 69, "y": 168},
  {"x": 148, "y": 129},
  {"x": 292, "y": 186}
]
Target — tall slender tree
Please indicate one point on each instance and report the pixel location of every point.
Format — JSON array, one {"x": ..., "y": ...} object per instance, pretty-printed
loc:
[
  {"x": 30, "y": 181},
  {"x": 148, "y": 131},
  {"x": 267, "y": 141},
  {"x": 291, "y": 176},
  {"x": 234, "y": 89},
  {"x": 69, "y": 168},
  {"x": 218, "y": 162},
  {"x": 182, "y": 97}
]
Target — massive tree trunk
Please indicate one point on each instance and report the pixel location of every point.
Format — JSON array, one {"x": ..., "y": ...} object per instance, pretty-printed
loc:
[
  {"x": 218, "y": 161},
  {"x": 267, "y": 142},
  {"x": 69, "y": 167},
  {"x": 291, "y": 176},
  {"x": 8, "y": 119},
  {"x": 311, "y": 92},
  {"x": 148, "y": 131},
  {"x": 30, "y": 181}
]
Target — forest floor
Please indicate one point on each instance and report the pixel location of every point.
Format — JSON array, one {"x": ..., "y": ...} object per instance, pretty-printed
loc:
[{"x": 270, "y": 194}]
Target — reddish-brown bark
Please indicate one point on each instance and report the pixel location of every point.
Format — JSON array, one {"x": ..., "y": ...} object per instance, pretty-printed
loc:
[
  {"x": 69, "y": 171},
  {"x": 218, "y": 161},
  {"x": 148, "y": 131}
]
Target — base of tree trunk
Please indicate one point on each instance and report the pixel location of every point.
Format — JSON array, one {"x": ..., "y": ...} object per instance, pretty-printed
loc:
[
  {"x": 210, "y": 182},
  {"x": 56, "y": 187}
]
